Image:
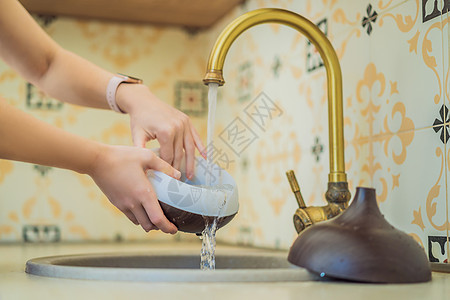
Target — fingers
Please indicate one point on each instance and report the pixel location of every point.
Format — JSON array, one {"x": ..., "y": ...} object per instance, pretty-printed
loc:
[
  {"x": 157, "y": 217},
  {"x": 143, "y": 218},
  {"x": 130, "y": 216},
  {"x": 178, "y": 151},
  {"x": 176, "y": 141},
  {"x": 155, "y": 163},
  {"x": 140, "y": 138},
  {"x": 145, "y": 210},
  {"x": 189, "y": 148},
  {"x": 149, "y": 211},
  {"x": 166, "y": 141}
]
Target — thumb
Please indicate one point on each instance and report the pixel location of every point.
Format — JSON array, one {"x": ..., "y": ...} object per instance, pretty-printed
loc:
[{"x": 158, "y": 164}]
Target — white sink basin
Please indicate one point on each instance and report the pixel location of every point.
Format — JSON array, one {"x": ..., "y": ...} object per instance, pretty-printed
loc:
[{"x": 168, "y": 268}]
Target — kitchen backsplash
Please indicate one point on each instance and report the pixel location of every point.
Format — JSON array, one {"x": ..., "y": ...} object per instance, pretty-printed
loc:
[{"x": 395, "y": 63}]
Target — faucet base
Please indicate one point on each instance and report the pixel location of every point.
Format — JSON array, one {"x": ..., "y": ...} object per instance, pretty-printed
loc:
[
  {"x": 337, "y": 197},
  {"x": 338, "y": 192},
  {"x": 305, "y": 217}
]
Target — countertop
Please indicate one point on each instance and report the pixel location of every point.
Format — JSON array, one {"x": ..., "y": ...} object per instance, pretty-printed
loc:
[{"x": 16, "y": 284}]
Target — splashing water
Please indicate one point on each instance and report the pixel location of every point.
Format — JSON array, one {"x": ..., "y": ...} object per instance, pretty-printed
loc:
[{"x": 207, "y": 254}]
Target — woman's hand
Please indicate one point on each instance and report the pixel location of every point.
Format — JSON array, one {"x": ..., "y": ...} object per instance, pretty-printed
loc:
[
  {"x": 120, "y": 172},
  {"x": 153, "y": 119}
]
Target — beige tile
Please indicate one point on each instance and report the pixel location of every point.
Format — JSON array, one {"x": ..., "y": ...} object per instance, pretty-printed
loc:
[
  {"x": 16, "y": 202},
  {"x": 407, "y": 170},
  {"x": 410, "y": 183},
  {"x": 358, "y": 164},
  {"x": 340, "y": 15},
  {"x": 409, "y": 62},
  {"x": 356, "y": 94},
  {"x": 383, "y": 6},
  {"x": 350, "y": 15}
]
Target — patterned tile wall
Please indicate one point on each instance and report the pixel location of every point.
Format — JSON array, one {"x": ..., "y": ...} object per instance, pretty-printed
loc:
[
  {"x": 395, "y": 62},
  {"x": 394, "y": 56}
]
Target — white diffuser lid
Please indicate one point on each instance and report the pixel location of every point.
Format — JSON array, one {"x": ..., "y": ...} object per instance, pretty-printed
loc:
[{"x": 221, "y": 199}]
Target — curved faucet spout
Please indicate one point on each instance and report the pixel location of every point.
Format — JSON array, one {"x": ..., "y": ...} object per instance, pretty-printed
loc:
[{"x": 337, "y": 186}]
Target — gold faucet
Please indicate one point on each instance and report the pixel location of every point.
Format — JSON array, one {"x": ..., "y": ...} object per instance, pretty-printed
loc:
[{"x": 337, "y": 194}]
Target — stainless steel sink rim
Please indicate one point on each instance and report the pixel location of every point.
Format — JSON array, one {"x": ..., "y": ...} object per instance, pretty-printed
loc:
[{"x": 54, "y": 266}]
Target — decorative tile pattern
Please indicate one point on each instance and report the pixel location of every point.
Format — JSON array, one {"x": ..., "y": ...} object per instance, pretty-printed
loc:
[
  {"x": 115, "y": 44},
  {"x": 38, "y": 100},
  {"x": 276, "y": 66},
  {"x": 191, "y": 98},
  {"x": 437, "y": 249},
  {"x": 317, "y": 149},
  {"x": 430, "y": 9},
  {"x": 420, "y": 49},
  {"x": 416, "y": 201},
  {"x": 440, "y": 126},
  {"x": 41, "y": 233},
  {"x": 369, "y": 19},
  {"x": 370, "y": 93},
  {"x": 42, "y": 170}
]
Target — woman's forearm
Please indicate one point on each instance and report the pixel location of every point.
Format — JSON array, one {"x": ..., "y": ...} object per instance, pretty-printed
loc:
[
  {"x": 73, "y": 79},
  {"x": 25, "y": 138},
  {"x": 61, "y": 74}
]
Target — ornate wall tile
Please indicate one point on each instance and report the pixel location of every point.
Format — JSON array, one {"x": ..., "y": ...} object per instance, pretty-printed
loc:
[
  {"x": 416, "y": 200},
  {"x": 432, "y": 9},
  {"x": 369, "y": 19},
  {"x": 115, "y": 41},
  {"x": 11, "y": 87},
  {"x": 343, "y": 16},
  {"x": 441, "y": 124},
  {"x": 13, "y": 196},
  {"x": 416, "y": 65},
  {"x": 38, "y": 100},
  {"x": 191, "y": 98},
  {"x": 376, "y": 140}
]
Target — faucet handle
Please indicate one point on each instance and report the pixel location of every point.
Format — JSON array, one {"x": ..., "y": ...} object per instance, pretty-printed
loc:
[
  {"x": 295, "y": 188},
  {"x": 302, "y": 220}
]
